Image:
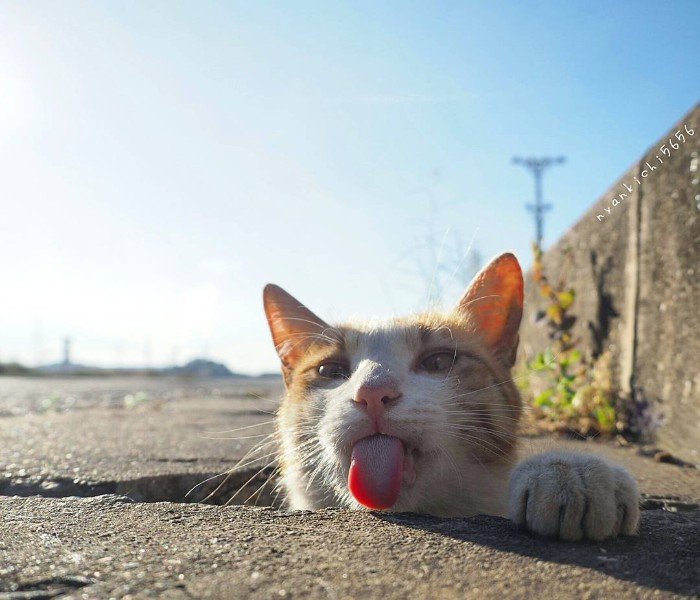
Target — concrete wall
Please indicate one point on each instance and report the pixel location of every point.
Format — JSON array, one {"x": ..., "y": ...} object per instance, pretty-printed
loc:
[{"x": 636, "y": 272}]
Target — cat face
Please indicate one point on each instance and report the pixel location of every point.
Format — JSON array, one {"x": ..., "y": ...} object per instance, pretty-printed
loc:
[{"x": 413, "y": 414}]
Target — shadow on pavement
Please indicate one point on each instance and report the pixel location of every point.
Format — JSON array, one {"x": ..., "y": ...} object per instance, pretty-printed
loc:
[{"x": 664, "y": 556}]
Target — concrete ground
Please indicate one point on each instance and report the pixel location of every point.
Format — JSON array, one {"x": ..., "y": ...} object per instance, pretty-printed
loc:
[{"x": 93, "y": 483}]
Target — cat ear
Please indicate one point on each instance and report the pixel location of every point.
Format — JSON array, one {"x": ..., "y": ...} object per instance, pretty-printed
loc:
[
  {"x": 494, "y": 304},
  {"x": 293, "y": 326}
]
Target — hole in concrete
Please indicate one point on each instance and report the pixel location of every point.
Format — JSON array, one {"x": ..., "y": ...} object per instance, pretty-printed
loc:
[
  {"x": 251, "y": 487},
  {"x": 45, "y": 588},
  {"x": 670, "y": 504}
]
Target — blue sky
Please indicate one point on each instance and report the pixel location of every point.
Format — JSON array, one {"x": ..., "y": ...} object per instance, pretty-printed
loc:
[{"x": 161, "y": 161}]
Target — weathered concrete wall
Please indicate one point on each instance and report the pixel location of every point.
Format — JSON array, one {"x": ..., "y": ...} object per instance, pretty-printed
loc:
[{"x": 636, "y": 272}]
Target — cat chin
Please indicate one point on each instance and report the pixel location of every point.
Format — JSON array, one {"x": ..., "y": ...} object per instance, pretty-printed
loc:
[
  {"x": 477, "y": 490},
  {"x": 474, "y": 495}
]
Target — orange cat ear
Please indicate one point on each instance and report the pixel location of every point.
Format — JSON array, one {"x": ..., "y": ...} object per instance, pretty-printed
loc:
[
  {"x": 293, "y": 326},
  {"x": 494, "y": 304}
]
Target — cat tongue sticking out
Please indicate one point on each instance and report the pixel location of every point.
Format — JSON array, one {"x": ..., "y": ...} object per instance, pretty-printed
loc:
[{"x": 376, "y": 470}]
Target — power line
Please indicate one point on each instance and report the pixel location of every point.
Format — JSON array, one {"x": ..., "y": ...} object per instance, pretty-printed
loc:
[{"x": 537, "y": 166}]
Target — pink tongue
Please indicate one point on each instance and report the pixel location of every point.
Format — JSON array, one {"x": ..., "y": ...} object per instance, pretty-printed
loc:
[{"x": 375, "y": 471}]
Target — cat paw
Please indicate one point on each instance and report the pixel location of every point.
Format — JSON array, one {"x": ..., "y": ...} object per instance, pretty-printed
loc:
[{"x": 573, "y": 497}]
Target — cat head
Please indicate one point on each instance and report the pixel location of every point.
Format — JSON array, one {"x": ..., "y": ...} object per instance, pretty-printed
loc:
[{"x": 409, "y": 414}]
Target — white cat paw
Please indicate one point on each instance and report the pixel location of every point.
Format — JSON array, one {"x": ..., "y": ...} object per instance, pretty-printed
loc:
[{"x": 573, "y": 496}]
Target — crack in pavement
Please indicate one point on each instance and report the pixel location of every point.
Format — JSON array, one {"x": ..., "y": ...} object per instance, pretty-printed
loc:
[{"x": 210, "y": 488}]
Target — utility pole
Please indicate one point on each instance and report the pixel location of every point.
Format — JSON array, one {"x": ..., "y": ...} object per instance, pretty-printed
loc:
[{"x": 537, "y": 167}]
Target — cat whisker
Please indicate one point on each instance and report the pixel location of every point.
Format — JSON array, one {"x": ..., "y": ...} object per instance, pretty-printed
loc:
[
  {"x": 241, "y": 464},
  {"x": 228, "y": 472},
  {"x": 241, "y": 428},
  {"x": 260, "y": 489},
  {"x": 489, "y": 447},
  {"x": 277, "y": 456},
  {"x": 245, "y": 437},
  {"x": 249, "y": 480}
]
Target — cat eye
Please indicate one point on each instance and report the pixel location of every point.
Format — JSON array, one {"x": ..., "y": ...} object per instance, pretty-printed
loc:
[
  {"x": 333, "y": 370},
  {"x": 437, "y": 362}
]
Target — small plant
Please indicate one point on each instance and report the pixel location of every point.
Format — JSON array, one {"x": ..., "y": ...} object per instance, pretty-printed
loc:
[
  {"x": 594, "y": 401},
  {"x": 51, "y": 403},
  {"x": 56, "y": 402},
  {"x": 132, "y": 401},
  {"x": 575, "y": 394},
  {"x": 556, "y": 316}
]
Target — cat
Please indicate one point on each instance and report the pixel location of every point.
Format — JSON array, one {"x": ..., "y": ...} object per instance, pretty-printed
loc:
[{"x": 420, "y": 414}]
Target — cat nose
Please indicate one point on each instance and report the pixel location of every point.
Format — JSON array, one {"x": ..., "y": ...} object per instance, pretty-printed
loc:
[{"x": 375, "y": 396}]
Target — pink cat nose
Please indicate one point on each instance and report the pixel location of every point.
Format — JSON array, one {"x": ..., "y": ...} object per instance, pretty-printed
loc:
[{"x": 375, "y": 396}]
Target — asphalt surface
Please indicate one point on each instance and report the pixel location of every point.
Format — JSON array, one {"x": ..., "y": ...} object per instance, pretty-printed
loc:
[
  {"x": 108, "y": 547},
  {"x": 93, "y": 477}
]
